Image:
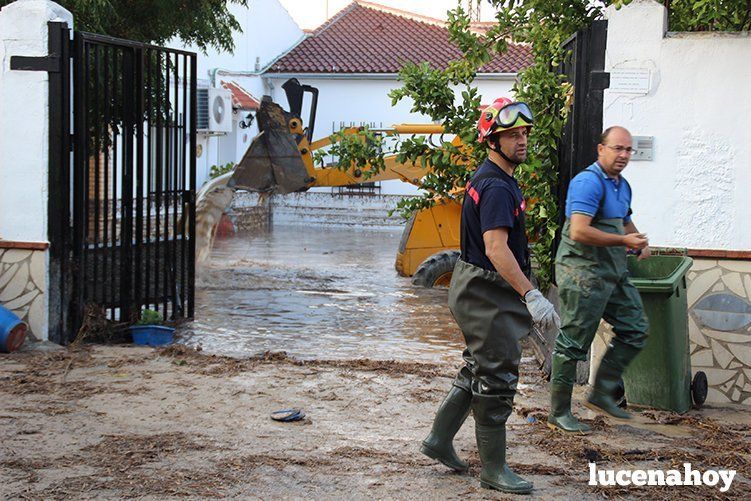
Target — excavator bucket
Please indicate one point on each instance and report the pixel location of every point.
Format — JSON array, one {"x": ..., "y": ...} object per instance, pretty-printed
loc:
[{"x": 272, "y": 162}]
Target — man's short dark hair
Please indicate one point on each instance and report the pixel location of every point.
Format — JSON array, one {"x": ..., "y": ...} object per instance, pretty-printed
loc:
[
  {"x": 605, "y": 134},
  {"x": 493, "y": 139}
]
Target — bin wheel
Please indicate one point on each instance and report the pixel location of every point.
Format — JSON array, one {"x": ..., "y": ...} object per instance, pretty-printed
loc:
[{"x": 699, "y": 388}]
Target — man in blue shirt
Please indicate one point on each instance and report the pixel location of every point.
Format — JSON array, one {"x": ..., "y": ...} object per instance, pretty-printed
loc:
[
  {"x": 492, "y": 300},
  {"x": 593, "y": 282}
]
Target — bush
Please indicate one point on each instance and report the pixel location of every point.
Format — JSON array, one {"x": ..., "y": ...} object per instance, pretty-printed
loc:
[
  {"x": 150, "y": 317},
  {"x": 218, "y": 170}
]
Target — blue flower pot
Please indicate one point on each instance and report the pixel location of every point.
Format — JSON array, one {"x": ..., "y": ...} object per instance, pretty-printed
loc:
[
  {"x": 151, "y": 335},
  {"x": 12, "y": 331}
]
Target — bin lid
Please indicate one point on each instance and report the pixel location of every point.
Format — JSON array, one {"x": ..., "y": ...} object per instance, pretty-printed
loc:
[{"x": 658, "y": 273}]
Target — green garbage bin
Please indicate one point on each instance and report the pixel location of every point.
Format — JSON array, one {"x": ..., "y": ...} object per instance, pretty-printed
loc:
[{"x": 660, "y": 376}]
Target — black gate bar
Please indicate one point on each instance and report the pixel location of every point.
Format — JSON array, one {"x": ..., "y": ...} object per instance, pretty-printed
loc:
[{"x": 125, "y": 211}]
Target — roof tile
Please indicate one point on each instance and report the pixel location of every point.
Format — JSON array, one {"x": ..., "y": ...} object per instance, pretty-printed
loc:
[
  {"x": 241, "y": 98},
  {"x": 368, "y": 38}
]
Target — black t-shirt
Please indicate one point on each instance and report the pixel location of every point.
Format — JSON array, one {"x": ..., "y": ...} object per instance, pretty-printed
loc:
[{"x": 493, "y": 200}]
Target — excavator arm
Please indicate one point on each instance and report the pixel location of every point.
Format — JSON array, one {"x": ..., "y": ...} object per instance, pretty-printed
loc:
[
  {"x": 280, "y": 160},
  {"x": 332, "y": 175},
  {"x": 280, "y": 157}
]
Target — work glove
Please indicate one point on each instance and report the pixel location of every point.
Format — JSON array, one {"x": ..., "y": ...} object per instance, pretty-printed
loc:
[{"x": 542, "y": 311}]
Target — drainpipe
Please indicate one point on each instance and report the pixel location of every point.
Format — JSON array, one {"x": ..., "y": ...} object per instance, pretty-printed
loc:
[
  {"x": 212, "y": 76},
  {"x": 268, "y": 86}
]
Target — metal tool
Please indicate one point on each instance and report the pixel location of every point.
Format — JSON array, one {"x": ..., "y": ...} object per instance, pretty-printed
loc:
[{"x": 539, "y": 335}]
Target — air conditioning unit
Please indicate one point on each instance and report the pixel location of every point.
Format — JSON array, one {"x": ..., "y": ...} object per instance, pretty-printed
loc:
[{"x": 214, "y": 110}]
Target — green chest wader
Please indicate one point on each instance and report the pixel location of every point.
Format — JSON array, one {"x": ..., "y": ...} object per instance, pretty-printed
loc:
[
  {"x": 593, "y": 284},
  {"x": 493, "y": 320}
]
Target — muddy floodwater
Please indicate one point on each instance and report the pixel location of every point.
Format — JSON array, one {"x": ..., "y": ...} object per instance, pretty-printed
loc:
[{"x": 318, "y": 292}]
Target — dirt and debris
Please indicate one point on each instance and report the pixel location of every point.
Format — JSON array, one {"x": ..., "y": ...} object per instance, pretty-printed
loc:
[
  {"x": 225, "y": 365},
  {"x": 106, "y": 422}
]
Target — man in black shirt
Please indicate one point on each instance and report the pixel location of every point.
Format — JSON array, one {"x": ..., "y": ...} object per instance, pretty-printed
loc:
[{"x": 492, "y": 300}]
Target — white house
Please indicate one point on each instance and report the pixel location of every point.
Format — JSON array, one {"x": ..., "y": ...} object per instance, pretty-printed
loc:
[{"x": 353, "y": 59}]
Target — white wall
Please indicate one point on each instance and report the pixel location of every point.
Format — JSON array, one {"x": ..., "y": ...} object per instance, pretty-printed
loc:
[
  {"x": 361, "y": 100},
  {"x": 694, "y": 192},
  {"x": 326, "y": 209},
  {"x": 210, "y": 148},
  {"x": 24, "y": 120},
  {"x": 267, "y": 31}
]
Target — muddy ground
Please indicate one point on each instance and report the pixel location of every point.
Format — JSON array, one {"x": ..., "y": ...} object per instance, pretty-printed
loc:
[{"x": 111, "y": 422}]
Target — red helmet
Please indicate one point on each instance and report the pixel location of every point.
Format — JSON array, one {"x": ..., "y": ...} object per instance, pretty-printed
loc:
[{"x": 503, "y": 114}]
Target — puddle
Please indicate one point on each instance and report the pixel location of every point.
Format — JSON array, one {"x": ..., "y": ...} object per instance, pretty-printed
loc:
[{"x": 318, "y": 292}]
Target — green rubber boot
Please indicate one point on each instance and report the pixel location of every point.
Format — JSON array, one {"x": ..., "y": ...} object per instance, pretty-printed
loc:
[
  {"x": 448, "y": 419},
  {"x": 607, "y": 381},
  {"x": 560, "y": 417},
  {"x": 563, "y": 374},
  {"x": 491, "y": 413},
  {"x": 491, "y": 443}
]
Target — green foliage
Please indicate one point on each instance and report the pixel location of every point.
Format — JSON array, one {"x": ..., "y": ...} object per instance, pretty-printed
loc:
[
  {"x": 710, "y": 15},
  {"x": 205, "y": 23},
  {"x": 150, "y": 317},
  {"x": 705, "y": 15},
  {"x": 362, "y": 150},
  {"x": 218, "y": 170}
]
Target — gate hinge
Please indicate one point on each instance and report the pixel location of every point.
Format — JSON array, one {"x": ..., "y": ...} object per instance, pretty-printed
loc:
[
  {"x": 599, "y": 80},
  {"x": 50, "y": 64}
]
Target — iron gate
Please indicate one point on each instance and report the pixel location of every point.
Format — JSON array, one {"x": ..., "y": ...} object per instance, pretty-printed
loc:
[
  {"x": 123, "y": 220},
  {"x": 577, "y": 148}
]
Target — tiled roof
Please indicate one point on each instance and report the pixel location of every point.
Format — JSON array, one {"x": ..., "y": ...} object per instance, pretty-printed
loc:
[
  {"x": 369, "y": 38},
  {"x": 241, "y": 98}
]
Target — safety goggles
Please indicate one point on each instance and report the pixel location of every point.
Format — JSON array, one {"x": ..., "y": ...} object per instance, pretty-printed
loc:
[{"x": 511, "y": 113}]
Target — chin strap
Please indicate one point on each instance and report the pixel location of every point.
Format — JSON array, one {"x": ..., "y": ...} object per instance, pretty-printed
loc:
[{"x": 503, "y": 155}]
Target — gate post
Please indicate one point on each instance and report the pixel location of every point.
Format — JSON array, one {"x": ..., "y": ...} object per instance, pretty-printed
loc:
[{"x": 26, "y": 285}]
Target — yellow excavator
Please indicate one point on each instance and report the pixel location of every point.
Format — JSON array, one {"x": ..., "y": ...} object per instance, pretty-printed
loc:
[{"x": 280, "y": 160}]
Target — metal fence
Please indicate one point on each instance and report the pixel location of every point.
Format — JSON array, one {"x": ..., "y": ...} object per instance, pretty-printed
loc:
[{"x": 125, "y": 210}]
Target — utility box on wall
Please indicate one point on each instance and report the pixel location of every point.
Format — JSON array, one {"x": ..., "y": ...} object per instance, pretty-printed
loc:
[{"x": 644, "y": 146}]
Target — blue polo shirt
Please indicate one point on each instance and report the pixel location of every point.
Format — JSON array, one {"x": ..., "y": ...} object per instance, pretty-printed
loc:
[
  {"x": 586, "y": 192},
  {"x": 490, "y": 203}
]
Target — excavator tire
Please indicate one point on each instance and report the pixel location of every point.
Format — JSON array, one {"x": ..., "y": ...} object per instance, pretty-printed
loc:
[{"x": 436, "y": 270}]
